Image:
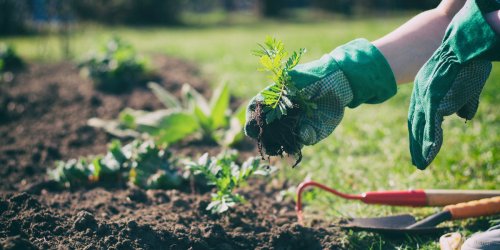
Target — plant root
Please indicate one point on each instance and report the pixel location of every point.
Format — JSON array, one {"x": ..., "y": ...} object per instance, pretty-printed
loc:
[{"x": 279, "y": 137}]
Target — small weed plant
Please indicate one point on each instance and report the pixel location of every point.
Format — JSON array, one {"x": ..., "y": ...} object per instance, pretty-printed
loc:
[
  {"x": 116, "y": 67},
  {"x": 189, "y": 115},
  {"x": 226, "y": 175},
  {"x": 141, "y": 163},
  {"x": 9, "y": 59},
  {"x": 10, "y": 62},
  {"x": 148, "y": 166}
]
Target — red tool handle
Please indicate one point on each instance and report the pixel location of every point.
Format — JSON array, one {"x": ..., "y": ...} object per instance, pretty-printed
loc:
[
  {"x": 399, "y": 198},
  {"x": 415, "y": 198}
]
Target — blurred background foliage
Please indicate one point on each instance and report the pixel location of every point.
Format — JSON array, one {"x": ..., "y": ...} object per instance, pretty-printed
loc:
[{"x": 22, "y": 16}]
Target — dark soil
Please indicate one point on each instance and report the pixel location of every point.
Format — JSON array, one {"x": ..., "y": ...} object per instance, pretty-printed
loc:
[
  {"x": 43, "y": 115},
  {"x": 107, "y": 219}
]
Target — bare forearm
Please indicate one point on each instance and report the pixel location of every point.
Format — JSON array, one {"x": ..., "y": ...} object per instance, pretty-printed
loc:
[{"x": 408, "y": 47}]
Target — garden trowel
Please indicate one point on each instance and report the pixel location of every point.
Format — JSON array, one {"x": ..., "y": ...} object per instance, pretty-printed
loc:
[{"x": 407, "y": 224}]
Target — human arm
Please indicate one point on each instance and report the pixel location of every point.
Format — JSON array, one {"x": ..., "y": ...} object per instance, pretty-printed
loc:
[
  {"x": 408, "y": 47},
  {"x": 420, "y": 37},
  {"x": 369, "y": 70},
  {"x": 451, "y": 81}
]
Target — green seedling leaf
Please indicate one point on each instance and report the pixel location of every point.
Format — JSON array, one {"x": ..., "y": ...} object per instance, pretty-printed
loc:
[
  {"x": 204, "y": 120},
  {"x": 72, "y": 173},
  {"x": 164, "y": 96},
  {"x": 127, "y": 119},
  {"x": 115, "y": 149},
  {"x": 163, "y": 180},
  {"x": 219, "y": 105},
  {"x": 113, "y": 127},
  {"x": 226, "y": 175},
  {"x": 144, "y": 163},
  {"x": 240, "y": 113},
  {"x": 280, "y": 96},
  {"x": 294, "y": 59},
  {"x": 175, "y": 127},
  {"x": 166, "y": 126},
  {"x": 196, "y": 99},
  {"x": 96, "y": 166}
]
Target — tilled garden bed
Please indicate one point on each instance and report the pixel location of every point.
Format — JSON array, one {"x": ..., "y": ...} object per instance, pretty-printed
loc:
[{"x": 44, "y": 114}]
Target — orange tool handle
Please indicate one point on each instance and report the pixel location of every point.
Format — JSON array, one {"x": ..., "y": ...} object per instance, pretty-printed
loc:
[{"x": 483, "y": 207}]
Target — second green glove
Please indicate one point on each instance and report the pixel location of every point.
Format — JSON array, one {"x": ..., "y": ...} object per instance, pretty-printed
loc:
[{"x": 452, "y": 79}]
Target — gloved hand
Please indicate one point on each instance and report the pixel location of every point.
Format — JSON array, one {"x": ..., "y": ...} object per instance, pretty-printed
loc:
[
  {"x": 350, "y": 75},
  {"x": 452, "y": 79}
]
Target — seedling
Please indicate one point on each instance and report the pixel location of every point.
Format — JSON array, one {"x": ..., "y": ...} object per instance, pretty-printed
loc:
[
  {"x": 116, "y": 67},
  {"x": 215, "y": 120},
  {"x": 142, "y": 163},
  {"x": 151, "y": 167},
  {"x": 226, "y": 175},
  {"x": 276, "y": 115},
  {"x": 72, "y": 173},
  {"x": 182, "y": 117},
  {"x": 9, "y": 59}
]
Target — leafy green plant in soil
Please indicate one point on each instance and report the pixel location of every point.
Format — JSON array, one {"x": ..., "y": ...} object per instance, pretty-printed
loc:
[
  {"x": 9, "y": 59},
  {"x": 150, "y": 167},
  {"x": 226, "y": 175},
  {"x": 116, "y": 67},
  {"x": 277, "y": 115},
  {"x": 182, "y": 117},
  {"x": 141, "y": 163}
]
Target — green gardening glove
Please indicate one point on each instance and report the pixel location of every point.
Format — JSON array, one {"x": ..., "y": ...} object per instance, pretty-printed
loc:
[
  {"x": 452, "y": 79},
  {"x": 350, "y": 75}
]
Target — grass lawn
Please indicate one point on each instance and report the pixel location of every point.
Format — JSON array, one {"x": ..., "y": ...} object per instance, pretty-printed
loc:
[{"x": 368, "y": 151}]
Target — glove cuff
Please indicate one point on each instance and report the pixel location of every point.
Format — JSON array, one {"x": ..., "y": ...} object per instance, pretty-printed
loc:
[
  {"x": 368, "y": 72},
  {"x": 469, "y": 34}
]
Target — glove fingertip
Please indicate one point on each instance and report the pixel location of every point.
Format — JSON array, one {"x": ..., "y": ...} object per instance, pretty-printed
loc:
[
  {"x": 416, "y": 127},
  {"x": 469, "y": 110},
  {"x": 416, "y": 152}
]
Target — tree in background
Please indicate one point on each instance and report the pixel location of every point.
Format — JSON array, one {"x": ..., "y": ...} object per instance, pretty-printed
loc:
[
  {"x": 339, "y": 6},
  {"x": 13, "y": 16},
  {"x": 370, "y": 5},
  {"x": 271, "y": 8},
  {"x": 129, "y": 11},
  {"x": 17, "y": 16}
]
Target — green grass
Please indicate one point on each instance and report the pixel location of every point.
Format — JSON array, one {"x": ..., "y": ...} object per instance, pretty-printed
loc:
[{"x": 368, "y": 151}]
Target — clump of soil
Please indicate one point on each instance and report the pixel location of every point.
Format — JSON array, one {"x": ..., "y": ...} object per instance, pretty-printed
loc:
[{"x": 280, "y": 136}]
